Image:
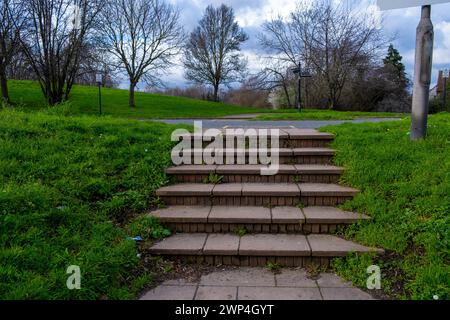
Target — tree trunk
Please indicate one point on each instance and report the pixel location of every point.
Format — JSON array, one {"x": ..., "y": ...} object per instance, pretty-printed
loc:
[
  {"x": 286, "y": 93},
  {"x": 55, "y": 98},
  {"x": 216, "y": 93},
  {"x": 131, "y": 100},
  {"x": 330, "y": 104},
  {"x": 4, "y": 86}
]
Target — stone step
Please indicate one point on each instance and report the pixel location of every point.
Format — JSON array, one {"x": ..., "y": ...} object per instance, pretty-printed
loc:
[
  {"x": 288, "y": 138},
  {"x": 256, "y": 194},
  {"x": 256, "y": 250},
  {"x": 223, "y": 219},
  {"x": 286, "y": 155},
  {"x": 252, "y": 173}
]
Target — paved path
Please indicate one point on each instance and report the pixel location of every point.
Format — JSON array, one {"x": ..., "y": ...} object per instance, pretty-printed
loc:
[
  {"x": 258, "y": 284},
  {"x": 307, "y": 124}
]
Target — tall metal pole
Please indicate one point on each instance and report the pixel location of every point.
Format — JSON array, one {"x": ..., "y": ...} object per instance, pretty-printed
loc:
[
  {"x": 422, "y": 75},
  {"x": 100, "y": 97},
  {"x": 299, "y": 102}
]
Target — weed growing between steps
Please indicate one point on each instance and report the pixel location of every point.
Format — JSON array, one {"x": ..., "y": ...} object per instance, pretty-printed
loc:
[
  {"x": 406, "y": 190},
  {"x": 73, "y": 191}
]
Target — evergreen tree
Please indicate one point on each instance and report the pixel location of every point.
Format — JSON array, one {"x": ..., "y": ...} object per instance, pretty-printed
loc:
[{"x": 394, "y": 59}]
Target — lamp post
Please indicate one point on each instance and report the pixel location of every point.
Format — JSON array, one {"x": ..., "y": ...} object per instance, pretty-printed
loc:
[
  {"x": 446, "y": 74},
  {"x": 298, "y": 71},
  {"x": 99, "y": 80}
]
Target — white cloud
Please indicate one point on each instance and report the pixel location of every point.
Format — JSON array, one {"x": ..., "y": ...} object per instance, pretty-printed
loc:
[
  {"x": 253, "y": 17},
  {"x": 251, "y": 14}
]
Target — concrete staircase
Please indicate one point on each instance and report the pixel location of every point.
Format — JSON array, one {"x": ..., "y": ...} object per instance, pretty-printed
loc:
[{"x": 249, "y": 219}]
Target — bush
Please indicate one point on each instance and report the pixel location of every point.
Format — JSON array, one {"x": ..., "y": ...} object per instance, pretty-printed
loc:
[{"x": 437, "y": 106}]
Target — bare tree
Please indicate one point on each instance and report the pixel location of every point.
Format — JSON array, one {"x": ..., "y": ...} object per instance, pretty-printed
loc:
[
  {"x": 276, "y": 76},
  {"x": 11, "y": 21},
  {"x": 53, "y": 41},
  {"x": 93, "y": 62},
  {"x": 212, "y": 54},
  {"x": 19, "y": 68},
  {"x": 333, "y": 41},
  {"x": 143, "y": 36}
]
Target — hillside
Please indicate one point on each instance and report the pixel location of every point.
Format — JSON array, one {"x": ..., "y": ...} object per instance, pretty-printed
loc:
[
  {"x": 115, "y": 102},
  {"x": 84, "y": 100}
]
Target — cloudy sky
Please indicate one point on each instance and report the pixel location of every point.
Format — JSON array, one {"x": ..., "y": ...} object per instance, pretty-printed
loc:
[{"x": 251, "y": 14}]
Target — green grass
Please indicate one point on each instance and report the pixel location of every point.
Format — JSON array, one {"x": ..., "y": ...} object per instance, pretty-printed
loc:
[
  {"x": 72, "y": 191},
  {"x": 406, "y": 190},
  {"x": 315, "y": 114},
  {"x": 84, "y": 100}
]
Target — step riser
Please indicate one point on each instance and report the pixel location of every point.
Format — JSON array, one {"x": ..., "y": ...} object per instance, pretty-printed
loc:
[
  {"x": 324, "y": 160},
  {"x": 252, "y": 261},
  {"x": 266, "y": 201},
  {"x": 282, "y": 178},
  {"x": 283, "y": 143},
  {"x": 251, "y": 228}
]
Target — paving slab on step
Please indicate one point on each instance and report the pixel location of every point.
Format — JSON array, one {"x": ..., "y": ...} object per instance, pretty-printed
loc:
[
  {"x": 331, "y": 215},
  {"x": 170, "y": 293},
  {"x": 222, "y": 245},
  {"x": 284, "y": 152},
  {"x": 318, "y": 169},
  {"x": 213, "y": 132},
  {"x": 228, "y": 214},
  {"x": 287, "y": 215},
  {"x": 345, "y": 294},
  {"x": 183, "y": 214},
  {"x": 330, "y": 280},
  {"x": 277, "y": 293},
  {"x": 253, "y": 169},
  {"x": 271, "y": 189},
  {"x": 277, "y": 245},
  {"x": 258, "y": 284},
  {"x": 186, "y": 189},
  {"x": 240, "y": 169},
  {"x": 192, "y": 169},
  {"x": 294, "y": 279},
  {"x": 228, "y": 189},
  {"x": 264, "y": 151},
  {"x": 242, "y": 277},
  {"x": 308, "y": 134},
  {"x": 331, "y": 246},
  {"x": 181, "y": 244},
  {"x": 313, "y": 152},
  {"x": 323, "y": 189},
  {"x": 287, "y": 169},
  {"x": 216, "y": 293},
  {"x": 248, "y": 133}
]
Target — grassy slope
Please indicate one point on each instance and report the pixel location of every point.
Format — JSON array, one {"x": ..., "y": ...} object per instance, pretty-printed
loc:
[
  {"x": 312, "y": 114},
  {"x": 150, "y": 106},
  {"x": 406, "y": 189},
  {"x": 115, "y": 102},
  {"x": 72, "y": 189}
]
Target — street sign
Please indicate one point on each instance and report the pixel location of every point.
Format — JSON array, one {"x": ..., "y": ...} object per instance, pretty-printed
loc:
[{"x": 398, "y": 4}]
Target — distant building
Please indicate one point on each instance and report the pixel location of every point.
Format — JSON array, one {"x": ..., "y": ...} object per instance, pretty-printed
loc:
[{"x": 439, "y": 88}]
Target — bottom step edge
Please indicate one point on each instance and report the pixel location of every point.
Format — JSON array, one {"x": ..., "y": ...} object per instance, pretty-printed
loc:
[{"x": 252, "y": 261}]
